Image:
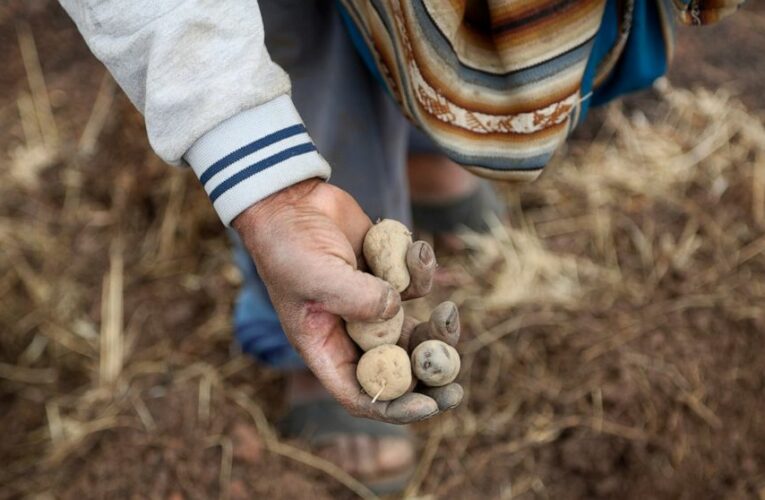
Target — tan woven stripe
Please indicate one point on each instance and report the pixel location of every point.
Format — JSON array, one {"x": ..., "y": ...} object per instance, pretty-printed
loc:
[
  {"x": 505, "y": 175},
  {"x": 515, "y": 9},
  {"x": 498, "y": 144},
  {"x": 666, "y": 27}
]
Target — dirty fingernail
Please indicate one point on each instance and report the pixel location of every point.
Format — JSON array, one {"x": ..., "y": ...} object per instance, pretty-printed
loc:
[
  {"x": 425, "y": 417},
  {"x": 452, "y": 321},
  {"x": 392, "y": 304},
  {"x": 426, "y": 254}
]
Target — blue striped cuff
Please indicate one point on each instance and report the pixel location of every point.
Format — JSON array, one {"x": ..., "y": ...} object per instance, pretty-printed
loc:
[{"x": 253, "y": 155}]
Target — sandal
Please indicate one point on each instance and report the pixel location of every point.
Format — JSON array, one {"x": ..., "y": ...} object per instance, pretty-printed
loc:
[{"x": 471, "y": 211}]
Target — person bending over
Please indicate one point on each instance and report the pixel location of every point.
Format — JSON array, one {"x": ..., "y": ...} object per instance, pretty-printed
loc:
[{"x": 394, "y": 98}]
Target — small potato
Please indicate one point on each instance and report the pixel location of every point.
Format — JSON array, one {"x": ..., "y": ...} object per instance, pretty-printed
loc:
[
  {"x": 369, "y": 335},
  {"x": 435, "y": 363},
  {"x": 385, "y": 372},
  {"x": 385, "y": 247}
]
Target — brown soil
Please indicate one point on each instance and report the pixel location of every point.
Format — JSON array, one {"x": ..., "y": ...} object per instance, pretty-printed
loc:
[
  {"x": 727, "y": 54},
  {"x": 613, "y": 344}
]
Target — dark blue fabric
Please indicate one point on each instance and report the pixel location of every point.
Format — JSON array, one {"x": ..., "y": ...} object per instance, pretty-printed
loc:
[
  {"x": 644, "y": 58},
  {"x": 249, "y": 149},
  {"x": 257, "y": 167}
]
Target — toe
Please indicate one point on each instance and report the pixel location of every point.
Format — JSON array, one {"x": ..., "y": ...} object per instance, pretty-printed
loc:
[
  {"x": 394, "y": 453},
  {"x": 365, "y": 451},
  {"x": 365, "y": 456},
  {"x": 341, "y": 452}
]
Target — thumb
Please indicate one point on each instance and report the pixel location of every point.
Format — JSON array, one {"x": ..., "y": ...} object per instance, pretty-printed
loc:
[{"x": 357, "y": 296}]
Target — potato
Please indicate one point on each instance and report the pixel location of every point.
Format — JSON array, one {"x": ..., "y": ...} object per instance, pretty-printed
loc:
[
  {"x": 385, "y": 247},
  {"x": 369, "y": 335},
  {"x": 384, "y": 372},
  {"x": 435, "y": 363}
]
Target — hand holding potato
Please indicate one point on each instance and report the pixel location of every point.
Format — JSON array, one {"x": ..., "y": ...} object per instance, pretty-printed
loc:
[
  {"x": 384, "y": 370},
  {"x": 306, "y": 242}
]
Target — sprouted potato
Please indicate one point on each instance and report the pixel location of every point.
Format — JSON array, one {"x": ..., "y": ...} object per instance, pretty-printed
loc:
[{"x": 385, "y": 372}]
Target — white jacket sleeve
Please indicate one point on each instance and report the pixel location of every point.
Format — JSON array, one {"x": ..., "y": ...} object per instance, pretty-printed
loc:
[{"x": 199, "y": 72}]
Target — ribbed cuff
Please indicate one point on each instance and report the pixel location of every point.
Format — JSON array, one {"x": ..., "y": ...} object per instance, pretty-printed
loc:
[{"x": 253, "y": 155}]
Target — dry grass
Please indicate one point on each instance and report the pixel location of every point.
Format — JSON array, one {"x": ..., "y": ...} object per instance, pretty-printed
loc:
[{"x": 612, "y": 333}]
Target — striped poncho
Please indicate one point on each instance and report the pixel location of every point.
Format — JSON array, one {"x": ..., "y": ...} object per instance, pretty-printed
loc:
[{"x": 499, "y": 84}]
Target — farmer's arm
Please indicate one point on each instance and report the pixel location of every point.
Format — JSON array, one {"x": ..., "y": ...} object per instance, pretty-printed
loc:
[{"x": 200, "y": 73}]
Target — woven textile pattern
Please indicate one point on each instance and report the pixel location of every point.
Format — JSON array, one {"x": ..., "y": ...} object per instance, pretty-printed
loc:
[{"x": 497, "y": 83}]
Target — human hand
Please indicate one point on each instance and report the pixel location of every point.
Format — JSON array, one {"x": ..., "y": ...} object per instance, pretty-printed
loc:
[{"x": 306, "y": 242}]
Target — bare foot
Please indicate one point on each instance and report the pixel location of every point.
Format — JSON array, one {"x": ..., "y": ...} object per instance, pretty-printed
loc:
[{"x": 361, "y": 455}]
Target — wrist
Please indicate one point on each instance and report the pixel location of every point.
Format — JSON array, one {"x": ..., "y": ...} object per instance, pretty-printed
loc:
[
  {"x": 256, "y": 218},
  {"x": 254, "y": 154}
]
